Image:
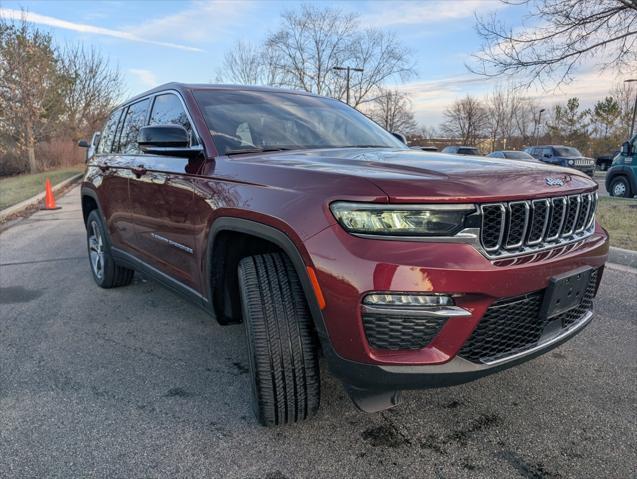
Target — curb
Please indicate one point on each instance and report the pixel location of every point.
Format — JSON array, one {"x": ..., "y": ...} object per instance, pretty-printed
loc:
[
  {"x": 23, "y": 205},
  {"x": 622, "y": 256}
]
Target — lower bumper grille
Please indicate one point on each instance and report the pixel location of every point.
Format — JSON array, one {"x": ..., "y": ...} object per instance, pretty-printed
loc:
[
  {"x": 513, "y": 325},
  {"x": 397, "y": 332}
]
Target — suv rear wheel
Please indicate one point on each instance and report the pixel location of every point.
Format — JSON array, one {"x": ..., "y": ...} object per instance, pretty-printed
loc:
[
  {"x": 620, "y": 187},
  {"x": 106, "y": 273},
  {"x": 282, "y": 346}
]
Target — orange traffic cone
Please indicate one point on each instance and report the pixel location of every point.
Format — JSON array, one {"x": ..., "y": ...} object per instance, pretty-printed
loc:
[{"x": 49, "y": 199}]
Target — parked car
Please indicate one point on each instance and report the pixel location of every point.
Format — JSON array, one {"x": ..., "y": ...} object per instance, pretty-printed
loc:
[
  {"x": 621, "y": 179},
  {"x": 299, "y": 217},
  {"x": 461, "y": 150},
  {"x": 511, "y": 155},
  {"x": 563, "y": 156},
  {"x": 424, "y": 148},
  {"x": 603, "y": 162}
]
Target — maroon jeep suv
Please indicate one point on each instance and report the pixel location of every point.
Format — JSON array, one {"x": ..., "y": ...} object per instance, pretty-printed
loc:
[{"x": 326, "y": 235}]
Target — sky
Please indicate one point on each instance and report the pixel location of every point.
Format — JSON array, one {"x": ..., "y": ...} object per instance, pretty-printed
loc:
[{"x": 154, "y": 42}]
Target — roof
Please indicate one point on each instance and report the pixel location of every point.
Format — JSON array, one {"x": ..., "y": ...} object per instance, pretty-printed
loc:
[{"x": 181, "y": 87}]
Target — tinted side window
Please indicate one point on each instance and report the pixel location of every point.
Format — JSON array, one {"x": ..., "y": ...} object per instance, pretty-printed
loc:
[
  {"x": 108, "y": 133},
  {"x": 135, "y": 119},
  {"x": 168, "y": 109},
  {"x": 547, "y": 151}
]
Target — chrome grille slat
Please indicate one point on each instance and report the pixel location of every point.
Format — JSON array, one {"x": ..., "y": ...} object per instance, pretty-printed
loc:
[{"x": 527, "y": 226}]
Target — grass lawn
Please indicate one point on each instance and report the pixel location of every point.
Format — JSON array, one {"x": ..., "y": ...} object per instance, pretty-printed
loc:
[
  {"x": 619, "y": 217},
  {"x": 19, "y": 188}
]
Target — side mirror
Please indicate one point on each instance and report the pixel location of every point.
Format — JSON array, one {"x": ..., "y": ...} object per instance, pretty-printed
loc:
[
  {"x": 168, "y": 140},
  {"x": 83, "y": 144},
  {"x": 400, "y": 136},
  {"x": 626, "y": 149}
]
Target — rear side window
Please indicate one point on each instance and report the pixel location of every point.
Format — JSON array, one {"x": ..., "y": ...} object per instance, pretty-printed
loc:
[
  {"x": 135, "y": 119},
  {"x": 108, "y": 134},
  {"x": 168, "y": 109}
]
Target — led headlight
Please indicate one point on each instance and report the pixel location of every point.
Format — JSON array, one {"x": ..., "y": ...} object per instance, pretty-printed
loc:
[{"x": 405, "y": 220}]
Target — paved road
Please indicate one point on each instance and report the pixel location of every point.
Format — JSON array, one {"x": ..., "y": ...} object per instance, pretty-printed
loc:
[{"x": 135, "y": 382}]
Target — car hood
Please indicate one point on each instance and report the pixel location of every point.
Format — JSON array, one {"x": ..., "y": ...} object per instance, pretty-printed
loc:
[{"x": 414, "y": 176}]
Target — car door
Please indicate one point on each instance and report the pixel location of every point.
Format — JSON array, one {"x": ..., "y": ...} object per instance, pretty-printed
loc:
[
  {"x": 110, "y": 179},
  {"x": 162, "y": 196}
]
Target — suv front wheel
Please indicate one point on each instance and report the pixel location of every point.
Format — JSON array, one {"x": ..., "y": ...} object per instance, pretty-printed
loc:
[
  {"x": 282, "y": 346},
  {"x": 106, "y": 273}
]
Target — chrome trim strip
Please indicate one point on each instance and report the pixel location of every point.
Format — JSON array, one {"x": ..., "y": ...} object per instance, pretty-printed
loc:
[
  {"x": 417, "y": 311},
  {"x": 546, "y": 220},
  {"x": 406, "y": 206},
  {"x": 559, "y": 228},
  {"x": 588, "y": 208},
  {"x": 502, "y": 224},
  {"x": 591, "y": 220},
  {"x": 526, "y": 224},
  {"x": 584, "y": 320},
  {"x": 577, "y": 207},
  {"x": 467, "y": 235}
]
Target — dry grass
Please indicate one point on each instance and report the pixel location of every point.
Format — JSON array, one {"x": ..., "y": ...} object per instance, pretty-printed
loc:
[
  {"x": 619, "y": 217},
  {"x": 19, "y": 188}
]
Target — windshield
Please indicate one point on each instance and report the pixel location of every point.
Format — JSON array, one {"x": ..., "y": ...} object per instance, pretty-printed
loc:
[
  {"x": 567, "y": 151},
  {"x": 251, "y": 121},
  {"x": 518, "y": 155}
]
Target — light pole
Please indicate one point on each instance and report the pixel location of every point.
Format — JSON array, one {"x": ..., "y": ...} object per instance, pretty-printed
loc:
[
  {"x": 632, "y": 123},
  {"x": 539, "y": 120},
  {"x": 348, "y": 70}
]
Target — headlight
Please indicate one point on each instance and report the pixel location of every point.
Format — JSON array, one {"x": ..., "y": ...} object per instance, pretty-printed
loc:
[
  {"x": 405, "y": 220},
  {"x": 571, "y": 162}
]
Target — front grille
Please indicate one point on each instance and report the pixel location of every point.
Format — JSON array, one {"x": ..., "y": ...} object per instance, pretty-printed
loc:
[
  {"x": 513, "y": 325},
  {"x": 519, "y": 227},
  {"x": 583, "y": 162},
  {"x": 400, "y": 331}
]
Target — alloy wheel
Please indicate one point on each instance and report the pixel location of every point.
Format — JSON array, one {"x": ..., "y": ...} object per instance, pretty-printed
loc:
[{"x": 96, "y": 250}]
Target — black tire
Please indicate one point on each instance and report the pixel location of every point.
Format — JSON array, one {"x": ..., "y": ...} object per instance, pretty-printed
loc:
[
  {"x": 282, "y": 346},
  {"x": 620, "y": 187},
  {"x": 108, "y": 274}
]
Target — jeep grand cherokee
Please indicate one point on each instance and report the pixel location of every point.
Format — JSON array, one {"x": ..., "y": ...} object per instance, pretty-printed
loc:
[{"x": 321, "y": 232}]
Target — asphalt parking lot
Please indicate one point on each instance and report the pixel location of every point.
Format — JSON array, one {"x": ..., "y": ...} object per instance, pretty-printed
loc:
[{"x": 135, "y": 382}]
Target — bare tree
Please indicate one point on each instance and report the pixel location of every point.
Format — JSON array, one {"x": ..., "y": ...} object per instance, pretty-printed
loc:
[
  {"x": 527, "y": 121},
  {"x": 312, "y": 40},
  {"x": 93, "y": 87},
  {"x": 30, "y": 85},
  {"x": 502, "y": 107},
  {"x": 466, "y": 120},
  {"x": 625, "y": 94},
  {"x": 392, "y": 110},
  {"x": 567, "y": 34},
  {"x": 249, "y": 64}
]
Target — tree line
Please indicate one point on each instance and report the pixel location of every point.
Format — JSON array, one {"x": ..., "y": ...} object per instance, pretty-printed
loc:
[
  {"x": 505, "y": 119},
  {"x": 50, "y": 97}
]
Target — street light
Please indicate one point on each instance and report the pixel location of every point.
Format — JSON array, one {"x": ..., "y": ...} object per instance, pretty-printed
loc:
[
  {"x": 539, "y": 119},
  {"x": 348, "y": 70},
  {"x": 632, "y": 123}
]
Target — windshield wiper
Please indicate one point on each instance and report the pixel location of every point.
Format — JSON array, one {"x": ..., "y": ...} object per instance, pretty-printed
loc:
[{"x": 239, "y": 151}]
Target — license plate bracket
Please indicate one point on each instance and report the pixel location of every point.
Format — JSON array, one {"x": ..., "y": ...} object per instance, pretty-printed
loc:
[{"x": 565, "y": 292}]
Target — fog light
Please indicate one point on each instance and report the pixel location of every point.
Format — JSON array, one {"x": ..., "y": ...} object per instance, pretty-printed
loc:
[{"x": 408, "y": 300}]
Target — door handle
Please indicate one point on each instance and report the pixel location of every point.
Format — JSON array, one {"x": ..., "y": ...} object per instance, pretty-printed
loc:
[{"x": 139, "y": 170}]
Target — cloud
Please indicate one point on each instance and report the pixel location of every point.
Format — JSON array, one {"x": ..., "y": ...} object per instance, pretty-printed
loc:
[
  {"x": 200, "y": 22},
  {"x": 419, "y": 13},
  {"x": 85, "y": 28},
  {"x": 145, "y": 77}
]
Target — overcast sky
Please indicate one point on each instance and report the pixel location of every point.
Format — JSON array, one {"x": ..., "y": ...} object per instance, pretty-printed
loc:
[{"x": 154, "y": 42}]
